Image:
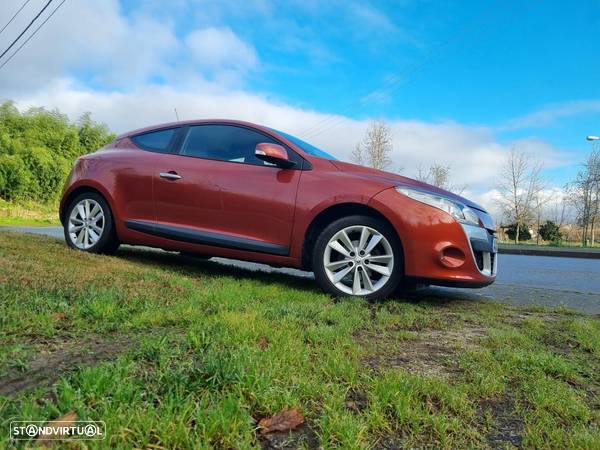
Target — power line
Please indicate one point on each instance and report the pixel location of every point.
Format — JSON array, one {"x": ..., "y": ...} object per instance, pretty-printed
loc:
[
  {"x": 392, "y": 84},
  {"x": 32, "y": 34},
  {"x": 25, "y": 30},
  {"x": 13, "y": 17}
]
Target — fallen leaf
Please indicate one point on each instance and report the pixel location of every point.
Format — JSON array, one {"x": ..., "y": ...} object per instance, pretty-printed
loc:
[
  {"x": 66, "y": 421},
  {"x": 285, "y": 420},
  {"x": 263, "y": 342},
  {"x": 351, "y": 405},
  {"x": 59, "y": 316}
]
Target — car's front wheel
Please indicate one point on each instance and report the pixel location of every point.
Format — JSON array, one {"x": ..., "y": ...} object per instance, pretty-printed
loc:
[
  {"x": 89, "y": 225},
  {"x": 359, "y": 256}
]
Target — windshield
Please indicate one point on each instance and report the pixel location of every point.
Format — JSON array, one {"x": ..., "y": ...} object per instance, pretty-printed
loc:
[{"x": 306, "y": 147}]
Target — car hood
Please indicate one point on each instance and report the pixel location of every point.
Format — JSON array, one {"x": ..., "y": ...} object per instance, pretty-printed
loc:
[{"x": 393, "y": 179}]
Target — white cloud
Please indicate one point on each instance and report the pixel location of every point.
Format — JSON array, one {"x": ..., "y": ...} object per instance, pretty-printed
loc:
[
  {"x": 217, "y": 49},
  {"x": 471, "y": 152},
  {"x": 490, "y": 199},
  {"x": 96, "y": 42},
  {"x": 368, "y": 16},
  {"x": 548, "y": 115},
  {"x": 555, "y": 204},
  {"x": 92, "y": 38}
]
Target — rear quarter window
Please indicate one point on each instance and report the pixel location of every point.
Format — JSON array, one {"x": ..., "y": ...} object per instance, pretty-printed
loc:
[{"x": 155, "y": 141}]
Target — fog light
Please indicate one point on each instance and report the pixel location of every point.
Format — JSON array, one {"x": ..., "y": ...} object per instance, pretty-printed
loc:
[{"x": 452, "y": 257}]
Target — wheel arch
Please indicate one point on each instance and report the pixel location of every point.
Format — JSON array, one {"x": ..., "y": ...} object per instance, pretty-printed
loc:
[
  {"x": 80, "y": 189},
  {"x": 331, "y": 214}
]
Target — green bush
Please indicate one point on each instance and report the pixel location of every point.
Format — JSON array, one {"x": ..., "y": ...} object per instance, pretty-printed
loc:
[
  {"x": 37, "y": 149},
  {"x": 14, "y": 177},
  {"x": 524, "y": 234},
  {"x": 549, "y": 231}
]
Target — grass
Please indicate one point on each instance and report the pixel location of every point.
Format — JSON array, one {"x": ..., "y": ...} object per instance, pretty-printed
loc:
[
  {"x": 173, "y": 352},
  {"x": 565, "y": 244},
  {"x": 28, "y": 214}
]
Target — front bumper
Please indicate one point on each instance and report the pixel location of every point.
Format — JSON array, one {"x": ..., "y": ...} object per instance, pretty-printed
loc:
[{"x": 438, "y": 249}]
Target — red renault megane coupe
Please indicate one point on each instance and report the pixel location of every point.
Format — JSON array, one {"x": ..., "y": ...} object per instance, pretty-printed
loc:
[{"x": 238, "y": 190}]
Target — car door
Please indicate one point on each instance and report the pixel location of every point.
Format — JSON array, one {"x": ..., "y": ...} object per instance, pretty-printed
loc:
[
  {"x": 216, "y": 192},
  {"x": 133, "y": 164}
]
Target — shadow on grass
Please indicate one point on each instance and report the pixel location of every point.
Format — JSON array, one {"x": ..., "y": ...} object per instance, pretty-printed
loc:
[
  {"x": 433, "y": 295},
  {"x": 191, "y": 266}
]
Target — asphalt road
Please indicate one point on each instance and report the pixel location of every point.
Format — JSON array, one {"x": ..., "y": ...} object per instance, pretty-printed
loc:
[{"x": 522, "y": 280}]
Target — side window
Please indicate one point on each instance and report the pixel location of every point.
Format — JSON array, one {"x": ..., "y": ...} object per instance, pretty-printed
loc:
[
  {"x": 224, "y": 143},
  {"x": 155, "y": 141}
]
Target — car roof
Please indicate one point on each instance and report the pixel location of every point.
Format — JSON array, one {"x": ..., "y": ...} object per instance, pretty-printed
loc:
[{"x": 196, "y": 122}]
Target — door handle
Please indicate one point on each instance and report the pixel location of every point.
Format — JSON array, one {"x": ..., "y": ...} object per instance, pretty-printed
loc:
[{"x": 172, "y": 175}]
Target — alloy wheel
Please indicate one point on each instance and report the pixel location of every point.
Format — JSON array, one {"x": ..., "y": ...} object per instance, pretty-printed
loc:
[
  {"x": 358, "y": 260},
  {"x": 86, "y": 224}
]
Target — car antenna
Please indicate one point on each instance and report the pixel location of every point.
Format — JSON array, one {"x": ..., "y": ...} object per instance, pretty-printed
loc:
[{"x": 176, "y": 114}]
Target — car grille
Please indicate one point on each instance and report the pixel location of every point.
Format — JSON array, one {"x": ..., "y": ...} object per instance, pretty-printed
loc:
[
  {"x": 486, "y": 261},
  {"x": 484, "y": 250}
]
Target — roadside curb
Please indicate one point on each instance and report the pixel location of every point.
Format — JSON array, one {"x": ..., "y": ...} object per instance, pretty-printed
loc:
[{"x": 534, "y": 250}]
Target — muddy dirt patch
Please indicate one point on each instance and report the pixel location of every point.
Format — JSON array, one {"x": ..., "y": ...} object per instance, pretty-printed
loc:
[
  {"x": 60, "y": 356},
  {"x": 504, "y": 426},
  {"x": 426, "y": 352},
  {"x": 516, "y": 317},
  {"x": 302, "y": 437},
  {"x": 357, "y": 400}
]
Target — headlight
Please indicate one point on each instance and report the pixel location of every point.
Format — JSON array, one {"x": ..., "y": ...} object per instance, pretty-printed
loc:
[{"x": 456, "y": 209}]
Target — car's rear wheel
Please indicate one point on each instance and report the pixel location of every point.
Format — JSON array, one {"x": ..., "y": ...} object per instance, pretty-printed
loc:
[
  {"x": 89, "y": 225},
  {"x": 359, "y": 256}
]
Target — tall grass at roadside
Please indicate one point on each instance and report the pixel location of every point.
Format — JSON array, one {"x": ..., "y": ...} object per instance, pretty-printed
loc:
[{"x": 195, "y": 353}]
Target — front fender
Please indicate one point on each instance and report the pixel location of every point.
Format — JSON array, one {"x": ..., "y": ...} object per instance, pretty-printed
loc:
[{"x": 424, "y": 231}]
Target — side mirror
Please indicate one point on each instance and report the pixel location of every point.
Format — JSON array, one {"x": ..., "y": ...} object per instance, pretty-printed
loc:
[{"x": 274, "y": 154}]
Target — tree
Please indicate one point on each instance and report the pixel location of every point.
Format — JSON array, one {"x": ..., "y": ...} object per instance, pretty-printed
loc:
[
  {"x": 358, "y": 154},
  {"x": 375, "y": 148},
  {"x": 92, "y": 135},
  {"x": 584, "y": 195},
  {"x": 37, "y": 149},
  {"x": 558, "y": 208},
  {"x": 540, "y": 199},
  {"x": 519, "y": 185},
  {"x": 14, "y": 177},
  {"x": 522, "y": 230},
  {"x": 549, "y": 231},
  {"x": 439, "y": 176}
]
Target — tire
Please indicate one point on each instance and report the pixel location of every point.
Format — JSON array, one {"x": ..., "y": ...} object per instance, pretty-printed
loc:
[
  {"x": 385, "y": 254},
  {"x": 103, "y": 226}
]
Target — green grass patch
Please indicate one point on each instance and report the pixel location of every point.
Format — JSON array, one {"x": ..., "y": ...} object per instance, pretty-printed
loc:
[
  {"x": 28, "y": 213},
  {"x": 176, "y": 353}
]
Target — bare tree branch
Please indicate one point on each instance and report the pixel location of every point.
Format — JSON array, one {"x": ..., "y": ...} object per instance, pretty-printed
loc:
[
  {"x": 358, "y": 154},
  {"x": 439, "y": 176},
  {"x": 520, "y": 185},
  {"x": 376, "y": 147},
  {"x": 584, "y": 195}
]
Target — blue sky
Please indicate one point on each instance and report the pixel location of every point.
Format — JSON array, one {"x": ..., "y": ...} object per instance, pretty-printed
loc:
[
  {"x": 473, "y": 62},
  {"x": 478, "y": 77}
]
